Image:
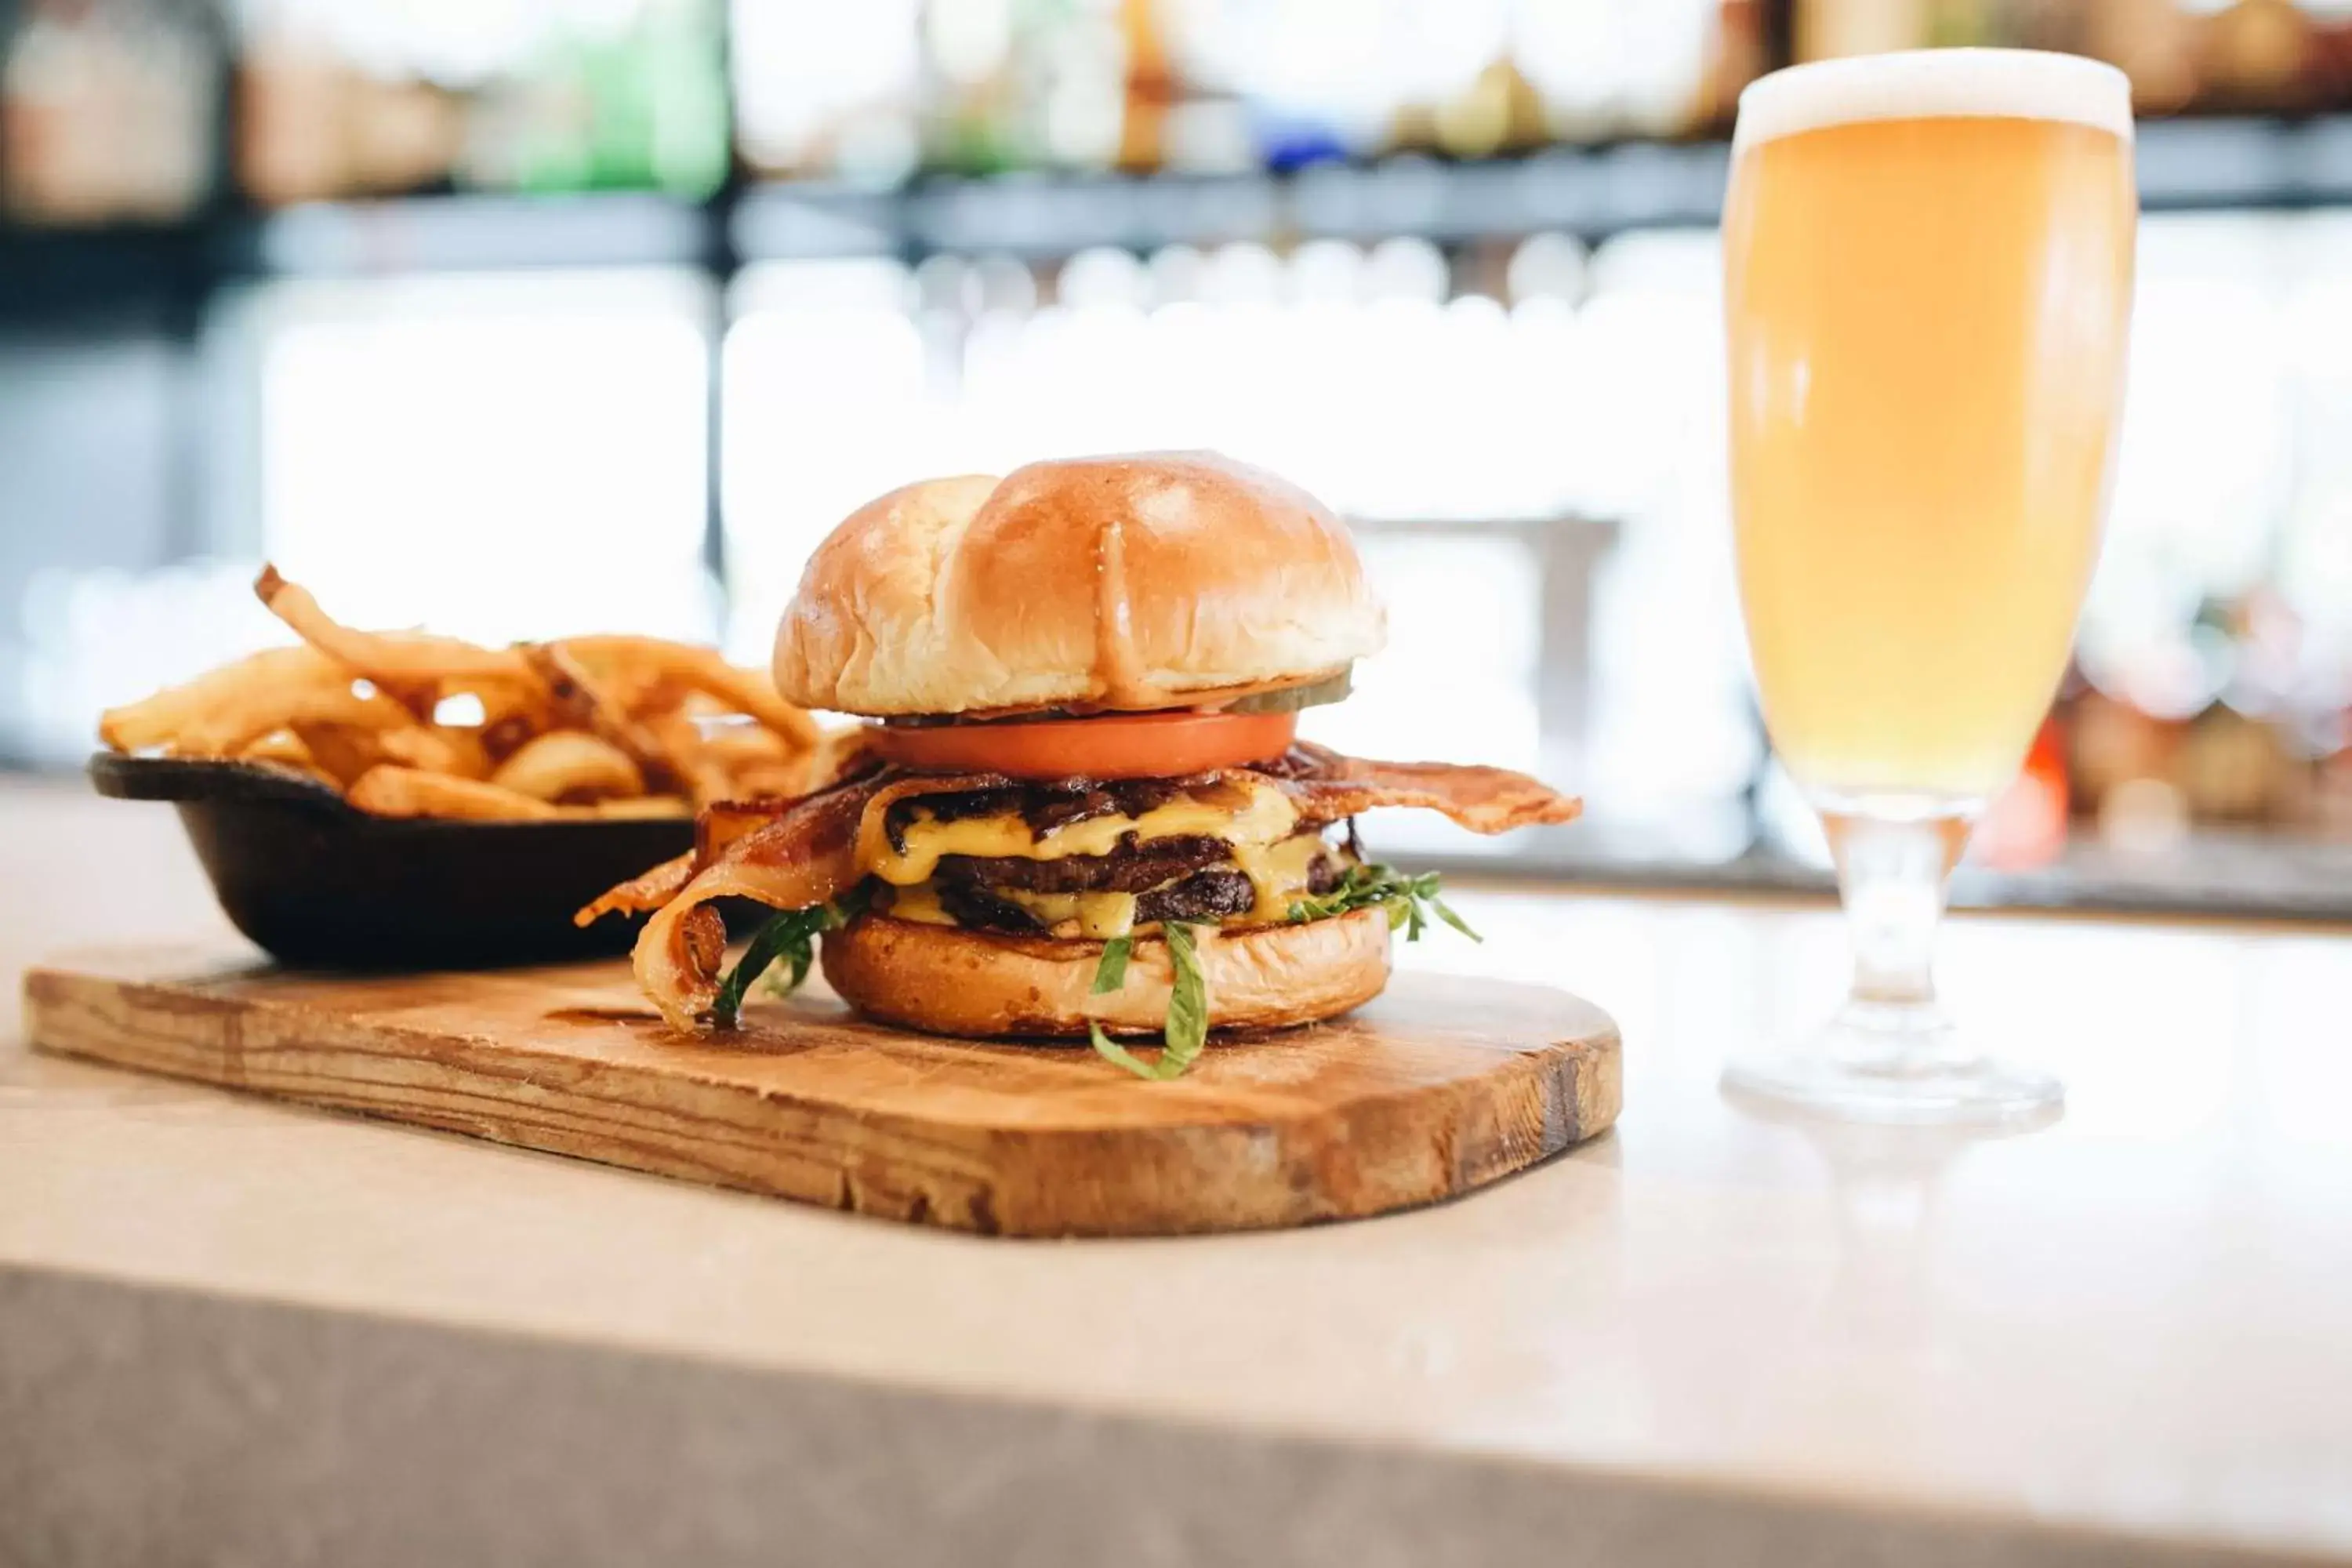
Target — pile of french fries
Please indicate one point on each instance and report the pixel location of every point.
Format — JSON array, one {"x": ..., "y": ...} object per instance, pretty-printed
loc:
[{"x": 412, "y": 724}]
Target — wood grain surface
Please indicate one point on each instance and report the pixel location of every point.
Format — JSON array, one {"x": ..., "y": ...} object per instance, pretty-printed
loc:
[{"x": 1440, "y": 1086}]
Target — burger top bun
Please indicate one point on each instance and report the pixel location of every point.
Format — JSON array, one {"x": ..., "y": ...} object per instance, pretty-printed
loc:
[{"x": 1159, "y": 580}]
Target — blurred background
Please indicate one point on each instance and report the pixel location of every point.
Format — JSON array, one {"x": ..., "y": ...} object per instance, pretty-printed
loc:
[{"x": 523, "y": 317}]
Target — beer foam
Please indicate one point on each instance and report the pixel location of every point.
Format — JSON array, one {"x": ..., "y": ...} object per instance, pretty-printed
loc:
[{"x": 1936, "y": 84}]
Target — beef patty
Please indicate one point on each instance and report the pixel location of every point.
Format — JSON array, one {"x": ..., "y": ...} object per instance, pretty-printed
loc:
[
  {"x": 1131, "y": 868},
  {"x": 1188, "y": 879}
]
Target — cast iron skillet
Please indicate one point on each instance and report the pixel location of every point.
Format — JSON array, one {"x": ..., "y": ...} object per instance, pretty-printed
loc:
[{"x": 315, "y": 881}]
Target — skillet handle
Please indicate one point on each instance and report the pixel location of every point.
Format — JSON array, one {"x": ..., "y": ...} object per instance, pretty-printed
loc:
[{"x": 122, "y": 777}]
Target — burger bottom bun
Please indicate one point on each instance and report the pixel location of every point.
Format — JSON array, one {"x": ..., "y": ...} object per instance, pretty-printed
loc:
[{"x": 949, "y": 981}]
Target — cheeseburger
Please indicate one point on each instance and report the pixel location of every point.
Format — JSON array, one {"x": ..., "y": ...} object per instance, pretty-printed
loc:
[{"x": 1078, "y": 806}]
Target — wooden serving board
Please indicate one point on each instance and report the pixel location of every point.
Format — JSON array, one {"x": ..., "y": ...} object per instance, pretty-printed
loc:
[{"x": 1439, "y": 1086}]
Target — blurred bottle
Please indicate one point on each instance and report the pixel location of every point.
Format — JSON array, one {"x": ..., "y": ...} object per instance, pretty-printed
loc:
[
  {"x": 1283, "y": 84},
  {"x": 310, "y": 126},
  {"x": 1828, "y": 29},
  {"x": 1498, "y": 111},
  {"x": 828, "y": 90},
  {"x": 2026, "y": 825},
  {"x": 2331, "y": 42},
  {"x": 106, "y": 110},
  {"x": 2154, "y": 42},
  {"x": 1738, "y": 53},
  {"x": 1606, "y": 70},
  {"x": 2109, "y": 744},
  {"x": 2328, "y": 812},
  {"x": 1015, "y": 84},
  {"x": 2261, "y": 56},
  {"x": 2235, "y": 768},
  {"x": 342, "y": 99},
  {"x": 2220, "y": 726},
  {"x": 637, "y": 107},
  {"x": 1153, "y": 88}
]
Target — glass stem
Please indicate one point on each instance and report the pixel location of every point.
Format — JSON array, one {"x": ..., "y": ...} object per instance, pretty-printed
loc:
[{"x": 1893, "y": 871}]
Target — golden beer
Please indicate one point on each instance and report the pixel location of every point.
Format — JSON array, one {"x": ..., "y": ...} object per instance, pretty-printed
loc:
[
  {"x": 1928, "y": 268},
  {"x": 1927, "y": 265}
]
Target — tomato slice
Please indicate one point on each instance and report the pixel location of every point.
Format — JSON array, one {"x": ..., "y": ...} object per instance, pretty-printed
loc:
[{"x": 1112, "y": 746}]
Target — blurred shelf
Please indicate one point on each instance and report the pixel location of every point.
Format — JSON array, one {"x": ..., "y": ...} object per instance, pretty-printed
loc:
[
  {"x": 2224, "y": 163},
  {"x": 126, "y": 271},
  {"x": 471, "y": 233},
  {"x": 2223, "y": 873},
  {"x": 1593, "y": 192}
]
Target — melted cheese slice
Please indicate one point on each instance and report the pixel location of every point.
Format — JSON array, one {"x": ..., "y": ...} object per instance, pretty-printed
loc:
[
  {"x": 1277, "y": 872},
  {"x": 1267, "y": 817},
  {"x": 1099, "y": 915}
]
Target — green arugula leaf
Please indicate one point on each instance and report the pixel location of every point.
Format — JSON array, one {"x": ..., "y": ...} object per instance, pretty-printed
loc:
[
  {"x": 1444, "y": 911},
  {"x": 782, "y": 936},
  {"x": 1410, "y": 902},
  {"x": 1186, "y": 1032},
  {"x": 790, "y": 938},
  {"x": 1110, "y": 972},
  {"x": 1110, "y": 1050}
]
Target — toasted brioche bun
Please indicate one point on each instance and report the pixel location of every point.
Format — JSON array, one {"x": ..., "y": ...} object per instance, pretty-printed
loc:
[
  {"x": 1155, "y": 581},
  {"x": 954, "y": 982}
]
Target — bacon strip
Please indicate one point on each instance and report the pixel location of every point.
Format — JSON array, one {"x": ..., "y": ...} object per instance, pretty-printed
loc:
[
  {"x": 790, "y": 856},
  {"x": 804, "y": 856},
  {"x": 650, "y": 891},
  {"x": 1483, "y": 800},
  {"x": 815, "y": 847}
]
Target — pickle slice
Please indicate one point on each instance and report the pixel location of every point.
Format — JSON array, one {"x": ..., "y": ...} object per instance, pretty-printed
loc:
[{"x": 1291, "y": 699}]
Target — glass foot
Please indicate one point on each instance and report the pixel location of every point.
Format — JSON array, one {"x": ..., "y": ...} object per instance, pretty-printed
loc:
[{"x": 1897, "y": 1065}]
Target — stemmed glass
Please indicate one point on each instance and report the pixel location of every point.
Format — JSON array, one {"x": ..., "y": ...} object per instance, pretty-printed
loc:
[{"x": 1928, "y": 279}]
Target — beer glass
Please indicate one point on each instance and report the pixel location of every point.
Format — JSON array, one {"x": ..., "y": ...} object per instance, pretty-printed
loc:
[{"x": 1928, "y": 278}]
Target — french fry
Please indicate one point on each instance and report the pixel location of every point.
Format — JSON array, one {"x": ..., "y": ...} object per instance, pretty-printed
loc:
[
  {"x": 610, "y": 727},
  {"x": 706, "y": 777},
  {"x": 761, "y": 764},
  {"x": 773, "y": 780},
  {"x": 525, "y": 703},
  {"x": 570, "y": 765},
  {"x": 633, "y": 807},
  {"x": 435, "y": 749},
  {"x": 746, "y": 691},
  {"x": 392, "y": 791},
  {"x": 843, "y": 750},
  {"x": 344, "y": 751},
  {"x": 400, "y": 662},
  {"x": 159, "y": 719},
  {"x": 748, "y": 745},
  {"x": 582, "y": 701},
  {"x": 502, "y": 736},
  {"x": 284, "y": 749},
  {"x": 347, "y": 750},
  {"x": 242, "y": 717}
]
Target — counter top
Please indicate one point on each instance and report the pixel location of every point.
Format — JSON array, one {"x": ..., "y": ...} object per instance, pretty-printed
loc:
[{"x": 1706, "y": 1337}]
